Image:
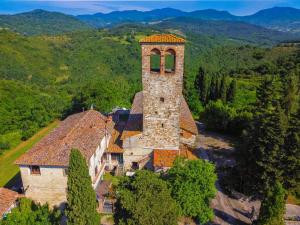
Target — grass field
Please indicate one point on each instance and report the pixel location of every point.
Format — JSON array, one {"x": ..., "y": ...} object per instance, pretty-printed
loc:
[{"x": 8, "y": 170}]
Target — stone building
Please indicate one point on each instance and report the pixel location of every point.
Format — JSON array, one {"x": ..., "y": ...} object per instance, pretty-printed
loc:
[
  {"x": 159, "y": 128},
  {"x": 160, "y": 119},
  {"x": 44, "y": 168}
]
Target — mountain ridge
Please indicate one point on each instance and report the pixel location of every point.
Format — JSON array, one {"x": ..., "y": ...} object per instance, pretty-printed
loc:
[
  {"x": 41, "y": 21},
  {"x": 277, "y": 18}
]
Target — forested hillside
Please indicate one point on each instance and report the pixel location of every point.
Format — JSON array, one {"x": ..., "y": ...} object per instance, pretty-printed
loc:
[
  {"x": 45, "y": 77},
  {"x": 41, "y": 22}
]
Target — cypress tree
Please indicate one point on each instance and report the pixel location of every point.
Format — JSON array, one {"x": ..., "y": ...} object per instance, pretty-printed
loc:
[
  {"x": 223, "y": 89},
  {"x": 291, "y": 165},
  {"x": 269, "y": 145},
  {"x": 290, "y": 92},
  {"x": 202, "y": 85},
  {"x": 217, "y": 88},
  {"x": 261, "y": 151},
  {"x": 82, "y": 205},
  {"x": 273, "y": 206},
  {"x": 231, "y": 93},
  {"x": 213, "y": 88}
]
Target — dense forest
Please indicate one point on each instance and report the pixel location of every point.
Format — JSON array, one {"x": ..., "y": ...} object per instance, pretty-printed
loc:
[{"x": 45, "y": 77}]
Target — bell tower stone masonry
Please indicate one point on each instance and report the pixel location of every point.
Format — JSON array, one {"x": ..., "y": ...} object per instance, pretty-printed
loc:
[{"x": 162, "y": 90}]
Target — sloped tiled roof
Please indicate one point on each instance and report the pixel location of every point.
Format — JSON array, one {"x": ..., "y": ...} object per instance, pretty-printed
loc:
[
  {"x": 166, "y": 158},
  {"x": 82, "y": 131},
  {"x": 162, "y": 38},
  {"x": 115, "y": 142},
  {"x": 7, "y": 199},
  {"x": 134, "y": 125}
]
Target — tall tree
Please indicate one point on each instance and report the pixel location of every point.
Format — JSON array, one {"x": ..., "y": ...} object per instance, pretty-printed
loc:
[
  {"x": 145, "y": 199},
  {"x": 82, "y": 205},
  {"x": 202, "y": 85},
  {"x": 231, "y": 93},
  {"x": 213, "y": 88},
  {"x": 261, "y": 152},
  {"x": 290, "y": 93},
  {"x": 273, "y": 206},
  {"x": 291, "y": 163},
  {"x": 193, "y": 187},
  {"x": 223, "y": 89}
]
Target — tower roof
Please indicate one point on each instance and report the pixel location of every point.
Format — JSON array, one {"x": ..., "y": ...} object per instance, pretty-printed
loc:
[{"x": 162, "y": 38}]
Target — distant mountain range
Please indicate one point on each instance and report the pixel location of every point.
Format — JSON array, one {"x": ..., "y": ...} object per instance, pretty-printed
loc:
[
  {"x": 267, "y": 26},
  {"x": 279, "y": 18},
  {"x": 42, "y": 22},
  {"x": 235, "y": 30}
]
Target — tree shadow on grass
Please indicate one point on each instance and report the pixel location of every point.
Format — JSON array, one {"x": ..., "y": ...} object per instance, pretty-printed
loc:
[{"x": 15, "y": 183}]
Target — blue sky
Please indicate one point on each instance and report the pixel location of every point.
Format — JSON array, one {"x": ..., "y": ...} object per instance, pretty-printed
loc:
[{"x": 75, "y": 7}]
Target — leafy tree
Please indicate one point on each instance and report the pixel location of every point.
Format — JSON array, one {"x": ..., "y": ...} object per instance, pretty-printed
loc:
[
  {"x": 28, "y": 213},
  {"x": 231, "y": 92},
  {"x": 218, "y": 116},
  {"x": 82, "y": 205},
  {"x": 273, "y": 206},
  {"x": 292, "y": 152},
  {"x": 145, "y": 199},
  {"x": 193, "y": 187}
]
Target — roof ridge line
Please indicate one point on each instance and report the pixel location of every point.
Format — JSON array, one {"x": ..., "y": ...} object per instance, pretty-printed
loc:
[{"x": 75, "y": 127}]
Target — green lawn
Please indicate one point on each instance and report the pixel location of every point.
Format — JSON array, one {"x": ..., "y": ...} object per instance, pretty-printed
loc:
[{"x": 8, "y": 170}]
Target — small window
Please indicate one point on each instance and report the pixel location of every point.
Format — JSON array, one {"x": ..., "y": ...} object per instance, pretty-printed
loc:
[
  {"x": 155, "y": 61},
  {"x": 135, "y": 165},
  {"x": 162, "y": 125},
  {"x": 170, "y": 59},
  {"x": 162, "y": 99},
  {"x": 35, "y": 170},
  {"x": 66, "y": 172}
]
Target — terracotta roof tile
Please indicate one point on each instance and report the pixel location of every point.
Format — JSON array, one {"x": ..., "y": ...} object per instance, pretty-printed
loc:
[
  {"x": 82, "y": 131},
  {"x": 166, "y": 158},
  {"x": 162, "y": 38},
  {"x": 115, "y": 142},
  {"x": 134, "y": 125},
  {"x": 7, "y": 199}
]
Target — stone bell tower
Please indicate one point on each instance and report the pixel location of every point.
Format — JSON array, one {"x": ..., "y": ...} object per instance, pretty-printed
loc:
[{"x": 162, "y": 90}]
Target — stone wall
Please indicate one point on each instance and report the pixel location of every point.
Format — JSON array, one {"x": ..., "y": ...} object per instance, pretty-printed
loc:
[
  {"x": 48, "y": 187},
  {"x": 161, "y": 98},
  {"x": 134, "y": 150}
]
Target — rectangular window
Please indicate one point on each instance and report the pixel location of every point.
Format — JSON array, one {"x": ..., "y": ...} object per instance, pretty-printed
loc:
[
  {"x": 162, "y": 99},
  {"x": 35, "y": 170}
]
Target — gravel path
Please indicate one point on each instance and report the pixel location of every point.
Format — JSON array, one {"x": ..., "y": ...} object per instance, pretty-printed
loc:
[{"x": 228, "y": 211}]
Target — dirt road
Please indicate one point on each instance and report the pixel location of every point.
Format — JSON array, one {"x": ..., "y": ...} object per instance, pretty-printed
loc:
[{"x": 227, "y": 210}]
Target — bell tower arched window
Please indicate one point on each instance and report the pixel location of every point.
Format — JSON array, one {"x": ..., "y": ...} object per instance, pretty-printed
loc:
[
  {"x": 170, "y": 61},
  {"x": 155, "y": 57}
]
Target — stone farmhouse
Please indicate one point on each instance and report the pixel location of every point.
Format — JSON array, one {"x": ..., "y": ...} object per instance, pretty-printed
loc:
[{"x": 158, "y": 128}]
